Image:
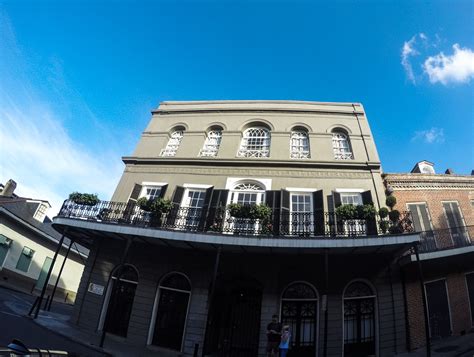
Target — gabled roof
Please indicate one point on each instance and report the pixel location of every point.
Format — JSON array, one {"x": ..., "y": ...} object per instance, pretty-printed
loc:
[{"x": 23, "y": 210}]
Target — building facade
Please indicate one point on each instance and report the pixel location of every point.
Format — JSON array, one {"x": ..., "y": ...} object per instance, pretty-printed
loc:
[
  {"x": 209, "y": 273},
  {"x": 441, "y": 207},
  {"x": 27, "y": 246}
]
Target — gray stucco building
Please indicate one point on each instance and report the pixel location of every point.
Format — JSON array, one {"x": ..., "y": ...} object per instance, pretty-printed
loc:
[{"x": 201, "y": 275}]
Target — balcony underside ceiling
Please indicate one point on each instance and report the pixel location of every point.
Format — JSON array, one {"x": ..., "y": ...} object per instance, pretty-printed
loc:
[
  {"x": 462, "y": 256},
  {"x": 85, "y": 232}
]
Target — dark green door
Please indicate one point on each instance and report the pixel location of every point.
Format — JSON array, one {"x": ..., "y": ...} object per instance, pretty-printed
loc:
[{"x": 44, "y": 272}]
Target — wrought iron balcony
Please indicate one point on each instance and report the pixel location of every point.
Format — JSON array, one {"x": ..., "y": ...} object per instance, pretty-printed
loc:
[
  {"x": 219, "y": 221},
  {"x": 443, "y": 239}
]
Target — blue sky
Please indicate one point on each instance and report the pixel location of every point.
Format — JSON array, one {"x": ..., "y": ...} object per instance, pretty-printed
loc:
[{"x": 79, "y": 78}]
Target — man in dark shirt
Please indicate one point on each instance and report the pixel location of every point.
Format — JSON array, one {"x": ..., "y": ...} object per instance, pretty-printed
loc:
[{"x": 273, "y": 337}]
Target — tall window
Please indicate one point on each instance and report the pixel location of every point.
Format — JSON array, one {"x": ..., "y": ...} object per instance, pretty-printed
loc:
[
  {"x": 212, "y": 143},
  {"x": 255, "y": 143},
  {"x": 5, "y": 244},
  {"x": 151, "y": 192},
  {"x": 359, "y": 320},
  {"x": 299, "y": 145},
  {"x": 24, "y": 261},
  {"x": 301, "y": 217},
  {"x": 170, "y": 318},
  {"x": 456, "y": 224},
  {"x": 341, "y": 146},
  {"x": 173, "y": 143}
]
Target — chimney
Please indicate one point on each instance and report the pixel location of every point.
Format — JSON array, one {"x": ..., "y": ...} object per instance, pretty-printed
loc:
[
  {"x": 8, "y": 189},
  {"x": 449, "y": 172}
]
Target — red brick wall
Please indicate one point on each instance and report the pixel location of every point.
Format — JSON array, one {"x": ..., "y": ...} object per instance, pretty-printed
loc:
[{"x": 433, "y": 199}]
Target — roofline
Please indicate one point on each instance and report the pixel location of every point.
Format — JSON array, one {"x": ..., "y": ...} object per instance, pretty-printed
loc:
[
  {"x": 33, "y": 228},
  {"x": 190, "y": 102}
]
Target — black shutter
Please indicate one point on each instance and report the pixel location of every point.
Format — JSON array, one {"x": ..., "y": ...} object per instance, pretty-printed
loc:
[
  {"x": 371, "y": 222},
  {"x": 272, "y": 199},
  {"x": 318, "y": 212},
  {"x": 216, "y": 211},
  {"x": 163, "y": 190},
  {"x": 204, "y": 209},
  {"x": 174, "y": 214},
  {"x": 131, "y": 203},
  {"x": 337, "y": 199},
  {"x": 285, "y": 212}
]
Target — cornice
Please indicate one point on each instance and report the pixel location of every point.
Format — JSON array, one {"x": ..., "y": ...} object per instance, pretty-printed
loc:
[{"x": 414, "y": 181}]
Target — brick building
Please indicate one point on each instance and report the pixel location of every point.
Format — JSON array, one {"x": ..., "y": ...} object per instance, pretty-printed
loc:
[
  {"x": 204, "y": 274},
  {"x": 442, "y": 209}
]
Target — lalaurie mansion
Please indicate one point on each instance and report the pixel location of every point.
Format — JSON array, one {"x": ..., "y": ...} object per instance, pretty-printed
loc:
[{"x": 229, "y": 212}]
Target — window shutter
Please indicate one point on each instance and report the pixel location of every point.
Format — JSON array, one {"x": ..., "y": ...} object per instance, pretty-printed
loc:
[
  {"x": 216, "y": 211},
  {"x": 449, "y": 214},
  {"x": 176, "y": 203},
  {"x": 371, "y": 222},
  {"x": 415, "y": 217},
  {"x": 285, "y": 212},
  {"x": 336, "y": 196},
  {"x": 131, "y": 203},
  {"x": 318, "y": 212},
  {"x": 163, "y": 190},
  {"x": 272, "y": 199},
  {"x": 205, "y": 209}
]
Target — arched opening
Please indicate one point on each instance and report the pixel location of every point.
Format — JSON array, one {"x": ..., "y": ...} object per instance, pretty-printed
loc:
[
  {"x": 341, "y": 145},
  {"x": 299, "y": 144},
  {"x": 170, "y": 312},
  {"x": 359, "y": 320},
  {"x": 245, "y": 193},
  {"x": 255, "y": 142},
  {"x": 118, "y": 301},
  {"x": 212, "y": 142},
  {"x": 299, "y": 310},
  {"x": 234, "y": 318},
  {"x": 174, "y": 141}
]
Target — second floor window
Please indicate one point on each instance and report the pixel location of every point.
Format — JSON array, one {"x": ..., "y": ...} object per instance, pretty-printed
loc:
[
  {"x": 211, "y": 144},
  {"x": 255, "y": 143},
  {"x": 341, "y": 146},
  {"x": 299, "y": 145},
  {"x": 173, "y": 143}
]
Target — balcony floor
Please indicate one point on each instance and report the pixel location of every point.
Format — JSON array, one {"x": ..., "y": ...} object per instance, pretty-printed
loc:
[{"x": 85, "y": 232}]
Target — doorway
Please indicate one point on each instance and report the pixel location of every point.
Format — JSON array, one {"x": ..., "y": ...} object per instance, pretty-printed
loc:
[
  {"x": 235, "y": 319},
  {"x": 438, "y": 309}
]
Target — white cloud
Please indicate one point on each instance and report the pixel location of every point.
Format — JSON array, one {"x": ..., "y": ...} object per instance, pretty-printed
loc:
[
  {"x": 456, "y": 68},
  {"x": 430, "y": 136},
  {"x": 408, "y": 51}
]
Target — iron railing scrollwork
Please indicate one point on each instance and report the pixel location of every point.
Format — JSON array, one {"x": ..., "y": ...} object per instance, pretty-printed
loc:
[{"x": 280, "y": 223}]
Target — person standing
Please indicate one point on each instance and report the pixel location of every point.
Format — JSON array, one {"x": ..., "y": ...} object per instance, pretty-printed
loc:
[
  {"x": 285, "y": 341},
  {"x": 273, "y": 337}
]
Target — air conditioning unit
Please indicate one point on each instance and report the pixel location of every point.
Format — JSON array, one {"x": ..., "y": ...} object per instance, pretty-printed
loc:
[
  {"x": 28, "y": 252},
  {"x": 5, "y": 241}
]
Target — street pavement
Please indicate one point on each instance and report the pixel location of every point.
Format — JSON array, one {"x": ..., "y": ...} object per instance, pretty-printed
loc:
[{"x": 15, "y": 325}]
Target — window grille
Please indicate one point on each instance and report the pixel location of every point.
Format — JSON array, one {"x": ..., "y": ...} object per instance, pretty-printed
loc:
[
  {"x": 255, "y": 143},
  {"x": 173, "y": 144},
  {"x": 152, "y": 192},
  {"x": 299, "y": 145},
  {"x": 341, "y": 147},
  {"x": 211, "y": 144},
  {"x": 41, "y": 212}
]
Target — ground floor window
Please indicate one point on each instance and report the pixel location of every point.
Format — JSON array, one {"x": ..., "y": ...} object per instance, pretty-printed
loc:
[
  {"x": 470, "y": 291},
  {"x": 119, "y": 300},
  {"x": 171, "y": 304},
  {"x": 359, "y": 320},
  {"x": 299, "y": 310},
  {"x": 5, "y": 244},
  {"x": 438, "y": 309}
]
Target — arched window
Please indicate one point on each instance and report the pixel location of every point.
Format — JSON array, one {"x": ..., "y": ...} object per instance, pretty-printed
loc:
[
  {"x": 299, "y": 145},
  {"x": 341, "y": 146},
  {"x": 212, "y": 143},
  {"x": 299, "y": 310},
  {"x": 173, "y": 143},
  {"x": 359, "y": 320},
  {"x": 255, "y": 143},
  {"x": 171, "y": 309},
  {"x": 118, "y": 300}
]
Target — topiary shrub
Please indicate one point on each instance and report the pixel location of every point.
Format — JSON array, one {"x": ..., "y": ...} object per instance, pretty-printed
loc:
[
  {"x": 157, "y": 205},
  {"x": 87, "y": 199},
  {"x": 346, "y": 212},
  {"x": 391, "y": 201},
  {"x": 383, "y": 212},
  {"x": 384, "y": 226},
  {"x": 366, "y": 211},
  {"x": 394, "y": 215},
  {"x": 260, "y": 211},
  {"x": 238, "y": 210}
]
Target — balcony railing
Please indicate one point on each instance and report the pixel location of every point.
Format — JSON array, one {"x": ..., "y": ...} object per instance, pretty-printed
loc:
[
  {"x": 280, "y": 224},
  {"x": 443, "y": 239}
]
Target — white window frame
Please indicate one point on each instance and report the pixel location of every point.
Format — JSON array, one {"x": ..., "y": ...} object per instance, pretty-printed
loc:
[
  {"x": 340, "y": 151},
  {"x": 173, "y": 144},
  {"x": 154, "y": 313},
  {"x": 351, "y": 224},
  {"x": 265, "y": 144},
  {"x": 41, "y": 211},
  {"x": 183, "y": 218},
  {"x": 311, "y": 205},
  {"x": 297, "y": 148},
  {"x": 212, "y": 143}
]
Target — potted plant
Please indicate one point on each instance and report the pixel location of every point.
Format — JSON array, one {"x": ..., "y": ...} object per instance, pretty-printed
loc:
[
  {"x": 394, "y": 215},
  {"x": 384, "y": 226},
  {"x": 391, "y": 201},
  {"x": 156, "y": 207},
  {"x": 87, "y": 199},
  {"x": 238, "y": 210},
  {"x": 346, "y": 212},
  {"x": 260, "y": 211},
  {"x": 383, "y": 212},
  {"x": 366, "y": 211}
]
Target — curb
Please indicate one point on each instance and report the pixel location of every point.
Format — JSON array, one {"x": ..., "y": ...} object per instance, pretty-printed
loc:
[{"x": 72, "y": 339}]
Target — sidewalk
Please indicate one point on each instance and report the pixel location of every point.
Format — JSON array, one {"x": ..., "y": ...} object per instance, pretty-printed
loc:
[{"x": 455, "y": 346}]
